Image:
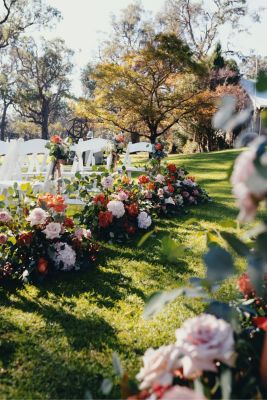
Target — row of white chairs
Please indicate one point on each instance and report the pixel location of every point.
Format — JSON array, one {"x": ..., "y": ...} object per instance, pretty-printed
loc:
[{"x": 33, "y": 156}]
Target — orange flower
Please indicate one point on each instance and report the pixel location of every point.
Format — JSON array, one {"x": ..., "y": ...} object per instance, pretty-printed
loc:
[
  {"x": 125, "y": 180},
  {"x": 119, "y": 138},
  {"x": 192, "y": 178},
  {"x": 245, "y": 286},
  {"x": 56, "y": 139},
  {"x": 142, "y": 179},
  {"x": 150, "y": 186},
  {"x": 42, "y": 266},
  {"x": 171, "y": 168},
  {"x": 105, "y": 218}
]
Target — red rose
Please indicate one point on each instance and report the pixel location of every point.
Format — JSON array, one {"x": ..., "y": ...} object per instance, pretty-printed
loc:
[
  {"x": 245, "y": 286},
  {"x": 172, "y": 168},
  {"x": 56, "y": 139},
  {"x": 100, "y": 199},
  {"x": 25, "y": 238},
  {"x": 133, "y": 209},
  {"x": 68, "y": 222},
  {"x": 260, "y": 322},
  {"x": 131, "y": 229},
  {"x": 42, "y": 266},
  {"x": 105, "y": 218},
  {"x": 142, "y": 179},
  {"x": 170, "y": 188},
  {"x": 158, "y": 146}
]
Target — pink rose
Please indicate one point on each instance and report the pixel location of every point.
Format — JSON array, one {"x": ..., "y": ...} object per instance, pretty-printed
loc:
[
  {"x": 3, "y": 238},
  {"x": 5, "y": 217},
  {"x": 185, "y": 194},
  {"x": 81, "y": 233},
  {"x": 159, "y": 366},
  {"x": 160, "y": 178},
  {"x": 204, "y": 340},
  {"x": 52, "y": 230},
  {"x": 148, "y": 194},
  {"x": 37, "y": 216},
  {"x": 191, "y": 199},
  {"x": 122, "y": 196},
  {"x": 181, "y": 393}
]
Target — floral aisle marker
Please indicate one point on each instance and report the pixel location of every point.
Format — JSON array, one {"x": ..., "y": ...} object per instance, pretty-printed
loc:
[
  {"x": 59, "y": 151},
  {"x": 118, "y": 212},
  {"x": 39, "y": 239},
  {"x": 171, "y": 191}
]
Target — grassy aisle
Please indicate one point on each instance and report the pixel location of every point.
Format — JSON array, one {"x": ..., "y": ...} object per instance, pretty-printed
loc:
[{"x": 56, "y": 340}]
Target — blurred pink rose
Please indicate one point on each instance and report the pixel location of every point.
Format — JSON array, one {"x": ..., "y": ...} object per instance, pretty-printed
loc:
[
  {"x": 204, "y": 340},
  {"x": 122, "y": 196},
  {"x": 52, "y": 230},
  {"x": 148, "y": 194},
  {"x": 159, "y": 366},
  {"x": 81, "y": 233},
  {"x": 181, "y": 393},
  {"x": 159, "y": 178},
  {"x": 37, "y": 216},
  {"x": 5, "y": 217}
]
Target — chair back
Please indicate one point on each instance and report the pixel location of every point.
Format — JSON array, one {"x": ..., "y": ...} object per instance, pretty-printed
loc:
[
  {"x": 139, "y": 147},
  {"x": 33, "y": 155},
  {"x": 4, "y": 146}
]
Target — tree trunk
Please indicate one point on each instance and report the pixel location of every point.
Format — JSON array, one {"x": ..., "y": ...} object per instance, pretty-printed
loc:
[
  {"x": 3, "y": 121},
  {"x": 135, "y": 138},
  {"x": 45, "y": 119}
]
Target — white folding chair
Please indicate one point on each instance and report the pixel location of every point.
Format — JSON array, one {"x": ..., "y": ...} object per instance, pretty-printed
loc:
[
  {"x": 4, "y": 146},
  {"x": 33, "y": 156},
  {"x": 90, "y": 148},
  {"x": 140, "y": 147}
]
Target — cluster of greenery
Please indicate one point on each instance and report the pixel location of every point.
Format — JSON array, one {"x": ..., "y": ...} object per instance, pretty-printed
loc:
[
  {"x": 156, "y": 75},
  {"x": 57, "y": 339}
]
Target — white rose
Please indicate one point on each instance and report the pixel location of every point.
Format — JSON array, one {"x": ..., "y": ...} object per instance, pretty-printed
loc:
[
  {"x": 107, "y": 182},
  {"x": 64, "y": 256},
  {"x": 204, "y": 340},
  {"x": 159, "y": 366},
  {"x": 37, "y": 216},
  {"x": 170, "y": 200},
  {"x": 116, "y": 207},
  {"x": 144, "y": 220},
  {"x": 179, "y": 199},
  {"x": 160, "y": 192},
  {"x": 52, "y": 230}
]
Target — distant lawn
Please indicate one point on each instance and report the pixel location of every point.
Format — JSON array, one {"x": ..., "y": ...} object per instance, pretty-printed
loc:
[{"x": 57, "y": 339}]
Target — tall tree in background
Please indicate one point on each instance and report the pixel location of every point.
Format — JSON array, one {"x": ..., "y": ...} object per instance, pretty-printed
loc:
[
  {"x": 148, "y": 91},
  {"x": 8, "y": 86},
  {"x": 18, "y": 15},
  {"x": 199, "y": 22},
  {"x": 43, "y": 81}
]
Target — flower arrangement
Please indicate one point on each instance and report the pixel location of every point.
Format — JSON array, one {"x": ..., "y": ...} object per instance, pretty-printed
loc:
[
  {"x": 40, "y": 239},
  {"x": 59, "y": 152},
  {"x": 114, "y": 149},
  {"x": 171, "y": 190},
  {"x": 118, "y": 212},
  {"x": 157, "y": 155}
]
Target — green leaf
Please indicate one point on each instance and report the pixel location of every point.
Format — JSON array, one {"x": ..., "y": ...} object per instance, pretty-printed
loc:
[
  {"x": 160, "y": 299},
  {"x": 118, "y": 369},
  {"x": 106, "y": 386},
  {"x": 226, "y": 384},
  {"x": 171, "y": 251},
  {"x": 219, "y": 264},
  {"x": 144, "y": 238},
  {"x": 237, "y": 245}
]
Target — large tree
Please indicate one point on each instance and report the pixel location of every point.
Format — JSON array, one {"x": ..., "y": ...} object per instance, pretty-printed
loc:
[
  {"x": 8, "y": 85},
  {"x": 18, "y": 15},
  {"x": 148, "y": 91},
  {"x": 43, "y": 81},
  {"x": 200, "y": 22}
]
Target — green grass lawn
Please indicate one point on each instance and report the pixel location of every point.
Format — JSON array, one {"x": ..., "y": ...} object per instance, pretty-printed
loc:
[{"x": 57, "y": 339}]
